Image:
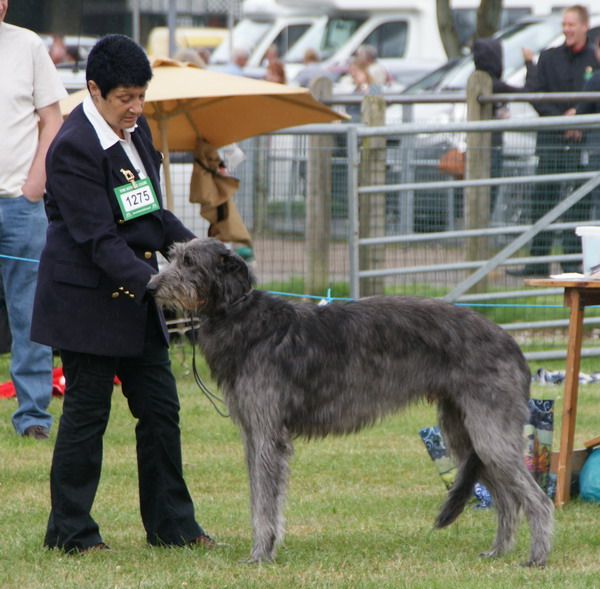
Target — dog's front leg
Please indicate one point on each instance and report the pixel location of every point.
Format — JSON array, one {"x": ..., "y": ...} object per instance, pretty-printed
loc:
[{"x": 267, "y": 455}]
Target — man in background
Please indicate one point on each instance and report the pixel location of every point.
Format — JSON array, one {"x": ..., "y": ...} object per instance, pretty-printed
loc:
[
  {"x": 30, "y": 117},
  {"x": 560, "y": 69}
]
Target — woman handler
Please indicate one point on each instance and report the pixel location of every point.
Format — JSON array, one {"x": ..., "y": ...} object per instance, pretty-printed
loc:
[{"x": 106, "y": 223}]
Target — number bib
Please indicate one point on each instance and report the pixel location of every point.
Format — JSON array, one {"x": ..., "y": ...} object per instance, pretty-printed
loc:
[{"x": 136, "y": 199}]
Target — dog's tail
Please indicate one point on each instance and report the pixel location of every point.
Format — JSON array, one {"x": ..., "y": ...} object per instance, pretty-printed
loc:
[{"x": 461, "y": 490}]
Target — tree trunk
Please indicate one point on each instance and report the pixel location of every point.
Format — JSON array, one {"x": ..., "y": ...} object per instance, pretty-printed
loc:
[
  {"x": 488, "y": 22},
  {"x": 446, "y": 28},
  {"x": 488, "y": 18}
]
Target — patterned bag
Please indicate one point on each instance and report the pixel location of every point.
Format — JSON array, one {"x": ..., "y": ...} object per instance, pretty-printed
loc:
[
  {"x": 537, "y": 450},
  {"x": 538, "y": 443}
]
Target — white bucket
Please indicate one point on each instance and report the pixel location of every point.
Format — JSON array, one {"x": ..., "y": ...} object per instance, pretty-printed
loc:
[{"x": 590, "y": 244}]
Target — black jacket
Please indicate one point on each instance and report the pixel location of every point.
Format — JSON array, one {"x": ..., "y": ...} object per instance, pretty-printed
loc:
[
  {"x": 560, "y": 69},
  {"x": 91, "y": 290},
  {"x": 592, "y": 85}
]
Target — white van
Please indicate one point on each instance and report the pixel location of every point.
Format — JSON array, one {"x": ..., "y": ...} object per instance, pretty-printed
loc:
[
  {"x": 400, "y": 30},
  {"x": 404, "y": 32},
  {"x": 265, "y": 23}
]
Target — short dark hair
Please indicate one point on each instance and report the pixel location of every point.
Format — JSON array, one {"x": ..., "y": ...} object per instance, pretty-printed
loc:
[{"x": 117, "y": 60}]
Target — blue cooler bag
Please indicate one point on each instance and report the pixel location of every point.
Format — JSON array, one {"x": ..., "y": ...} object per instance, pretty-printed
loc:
[{"x": 589, "y": 477}]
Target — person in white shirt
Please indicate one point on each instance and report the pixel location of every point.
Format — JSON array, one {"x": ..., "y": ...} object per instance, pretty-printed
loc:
[{"x": 29, "y": 95}]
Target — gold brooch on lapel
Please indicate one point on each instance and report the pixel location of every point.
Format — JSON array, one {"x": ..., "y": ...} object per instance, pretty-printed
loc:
[{"x": 129, "y": 176}]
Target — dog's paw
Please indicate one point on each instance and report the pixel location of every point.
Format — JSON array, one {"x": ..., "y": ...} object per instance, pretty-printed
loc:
[
  {"x": 256, "y": 560},
  {"x": 533, "y": 564},
  {"x": 489, "y": 554}
]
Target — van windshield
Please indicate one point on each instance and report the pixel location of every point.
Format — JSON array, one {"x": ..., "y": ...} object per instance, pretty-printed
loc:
[
  {"x": 245, "y": 35},
  {"x": 325, "y": 38}
]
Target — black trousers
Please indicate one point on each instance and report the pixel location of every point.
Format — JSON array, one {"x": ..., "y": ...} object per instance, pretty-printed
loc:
[
  {"x": 148, "y": 384},
  {"x": 557, "y": 157}
]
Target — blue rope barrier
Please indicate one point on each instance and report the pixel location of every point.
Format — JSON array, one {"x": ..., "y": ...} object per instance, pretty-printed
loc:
[
  {"x": 511, "y": 306},
  {"x": 19, "y": 259},
  {"x": 328, "y": 298}
]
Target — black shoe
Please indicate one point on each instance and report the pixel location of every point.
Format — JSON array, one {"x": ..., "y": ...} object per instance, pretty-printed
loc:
[
  {"x": 203, "y": 540},
  {"x": 37, "y": 432},
  {"x": 531, "y": 270}
]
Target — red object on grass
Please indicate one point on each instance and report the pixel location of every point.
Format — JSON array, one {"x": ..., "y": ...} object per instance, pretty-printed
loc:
[{"x": 7, "y": 389}]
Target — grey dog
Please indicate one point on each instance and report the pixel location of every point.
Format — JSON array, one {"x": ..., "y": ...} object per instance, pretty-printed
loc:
[{"x": 299, "y": 369}]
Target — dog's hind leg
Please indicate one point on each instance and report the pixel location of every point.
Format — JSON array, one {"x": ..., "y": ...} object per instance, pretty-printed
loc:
[
  {"x": 267, "y": 456},
  {"x": 471, "y": 470},
  {"x": 499, "y": 445},
  {"x": 491, "y": 451},
  {"x": 507, "y": 512},
  {"x": 539, "y": 511},
  {"x": 508, "y": 495}
]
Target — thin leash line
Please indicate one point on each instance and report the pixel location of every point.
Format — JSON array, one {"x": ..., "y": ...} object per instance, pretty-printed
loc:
[{"x": 201, "y": 385}]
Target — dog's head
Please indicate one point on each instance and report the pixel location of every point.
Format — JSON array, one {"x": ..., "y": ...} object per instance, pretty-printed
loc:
[{"x": 202, "y": 275}]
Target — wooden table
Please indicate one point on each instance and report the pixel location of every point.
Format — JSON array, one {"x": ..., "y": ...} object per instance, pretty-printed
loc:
[{"x": 579, "y": 293}]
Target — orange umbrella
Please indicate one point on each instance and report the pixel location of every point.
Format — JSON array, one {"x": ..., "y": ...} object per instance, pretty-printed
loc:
[{"x": 184, "y": 102}]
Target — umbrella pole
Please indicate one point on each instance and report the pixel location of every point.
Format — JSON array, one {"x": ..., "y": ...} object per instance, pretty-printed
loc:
[{"x": 164, "y": 144}]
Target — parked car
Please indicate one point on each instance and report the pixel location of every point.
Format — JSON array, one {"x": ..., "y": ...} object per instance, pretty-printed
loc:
[
  {"x": 72, "y": 73},
  {"x": 76, "y": 46}
]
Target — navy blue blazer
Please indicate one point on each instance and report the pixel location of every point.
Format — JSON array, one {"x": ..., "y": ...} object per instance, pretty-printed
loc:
[{"x": 91, "y": 291}]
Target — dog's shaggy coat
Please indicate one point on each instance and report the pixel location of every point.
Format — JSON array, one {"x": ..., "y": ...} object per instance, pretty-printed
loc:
[{"x": 298, "y": 369}]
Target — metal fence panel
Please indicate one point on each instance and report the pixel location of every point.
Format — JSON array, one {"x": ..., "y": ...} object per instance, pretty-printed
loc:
[{"x": 423, "y": 246}]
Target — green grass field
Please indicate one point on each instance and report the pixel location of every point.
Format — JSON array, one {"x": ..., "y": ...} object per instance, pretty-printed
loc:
[{"x": 360, "y": 512}]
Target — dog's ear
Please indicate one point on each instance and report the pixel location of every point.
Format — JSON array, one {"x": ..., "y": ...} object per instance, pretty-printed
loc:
[
  {"x": 236, "y": 265},
  {"x": 172, "y": 251},
  {"x": 232, "y": 262}
]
